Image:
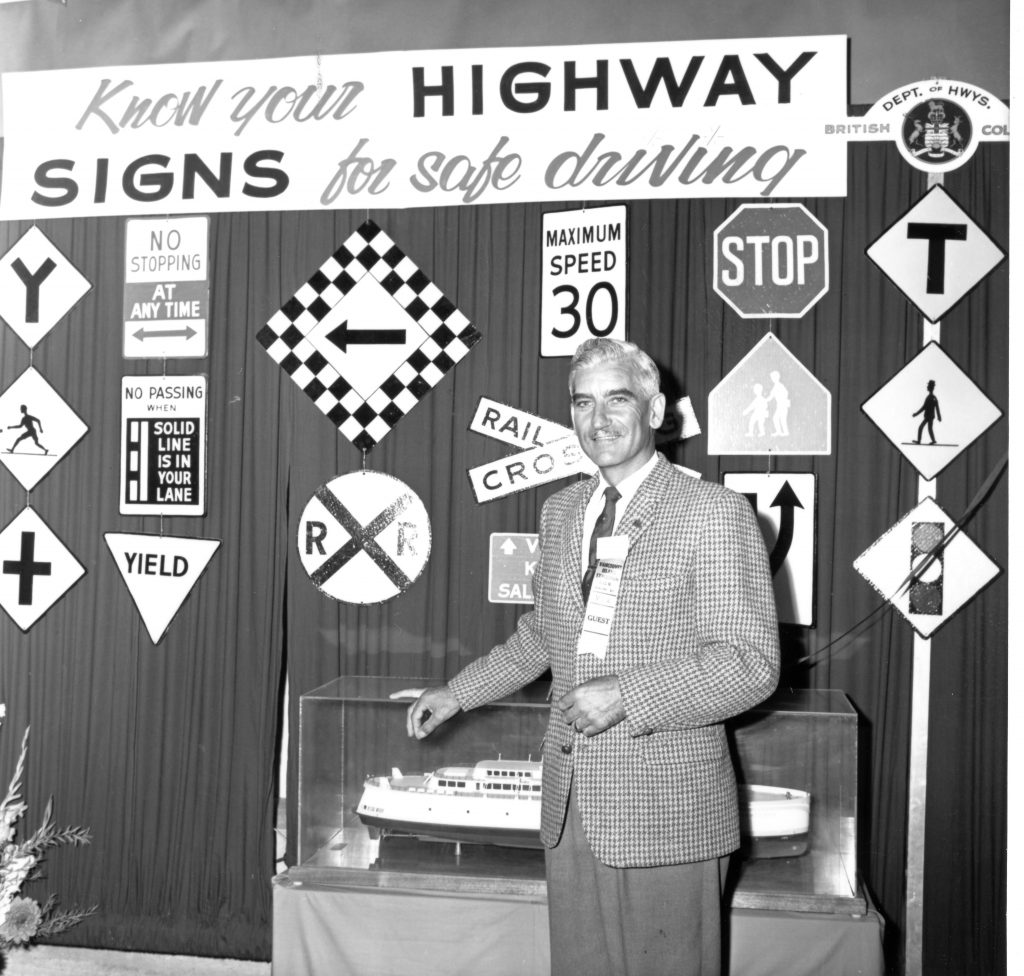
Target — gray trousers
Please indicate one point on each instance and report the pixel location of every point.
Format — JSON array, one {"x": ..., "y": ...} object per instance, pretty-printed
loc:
[{"x": 605, "y": 921}]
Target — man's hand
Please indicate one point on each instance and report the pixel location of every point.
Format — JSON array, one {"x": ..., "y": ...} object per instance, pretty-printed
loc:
[
  {"x": 434, "y": 706},
  {"x": 593, "y": 706}
]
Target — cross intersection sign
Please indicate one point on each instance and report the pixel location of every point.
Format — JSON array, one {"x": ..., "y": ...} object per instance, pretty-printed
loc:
[
  {"x": 364, "y": 537},
  {"x": 39, "y": 428},
  {"x": 368, "y": 336},
  {"x": 36, "y": 568},
  {"x": 38, "y": 286}
]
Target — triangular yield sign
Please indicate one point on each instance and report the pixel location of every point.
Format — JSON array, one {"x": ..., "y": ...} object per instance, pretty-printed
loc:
[{"x": 159, "y": 571}]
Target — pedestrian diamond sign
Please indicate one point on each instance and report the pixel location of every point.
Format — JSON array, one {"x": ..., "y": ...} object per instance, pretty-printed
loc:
[
  {"x": 160, "y": 572},
  {"x": 769, "y": 403},
  {"x": 36, "y": 568},
  {"x": 364, "y": 537},
  {"x": 925, "y": 567},
  {"x": 510, "y": 568},
  {"x": 368, "y": 336},
  {"x": 931, "y": 411},
  {"x": 935, "y": 253},
  {"x": 38, "y": 286},
  {"x": 39, "y": 428}
]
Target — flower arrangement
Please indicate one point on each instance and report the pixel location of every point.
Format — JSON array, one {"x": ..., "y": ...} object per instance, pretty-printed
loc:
[{"x": 22, "y": 919}]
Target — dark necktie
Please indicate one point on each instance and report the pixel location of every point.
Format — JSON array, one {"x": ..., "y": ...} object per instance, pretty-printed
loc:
[{"x": 602, "y": 527}]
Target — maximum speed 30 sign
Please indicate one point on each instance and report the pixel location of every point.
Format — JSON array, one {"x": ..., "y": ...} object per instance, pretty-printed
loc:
[{"x": 583, "y": 277}]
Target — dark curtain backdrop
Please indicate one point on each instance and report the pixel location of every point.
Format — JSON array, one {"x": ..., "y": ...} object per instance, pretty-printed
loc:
[{"x": 169, "y": 752}]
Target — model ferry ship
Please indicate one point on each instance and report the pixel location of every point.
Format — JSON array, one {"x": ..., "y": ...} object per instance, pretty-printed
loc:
[{"x": 497, "y": 801}]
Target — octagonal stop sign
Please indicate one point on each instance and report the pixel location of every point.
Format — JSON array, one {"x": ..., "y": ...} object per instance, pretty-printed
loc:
[{"x": 771, "y": 260}]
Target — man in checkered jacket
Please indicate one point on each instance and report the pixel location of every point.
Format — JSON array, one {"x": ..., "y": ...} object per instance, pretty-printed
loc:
[{"x": 639, "y": 811}]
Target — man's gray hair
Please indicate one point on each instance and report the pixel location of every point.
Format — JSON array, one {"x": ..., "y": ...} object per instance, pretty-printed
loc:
[{"x": 591, "y": 352}]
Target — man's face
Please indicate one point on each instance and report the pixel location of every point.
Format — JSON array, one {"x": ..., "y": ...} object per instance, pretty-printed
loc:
[{"x": 614, "y": 421}]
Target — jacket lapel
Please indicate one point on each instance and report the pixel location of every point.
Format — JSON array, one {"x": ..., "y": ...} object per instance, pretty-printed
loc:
[
  {"x": 572, "y": 544},
  {"x": 646, "y": 503}
]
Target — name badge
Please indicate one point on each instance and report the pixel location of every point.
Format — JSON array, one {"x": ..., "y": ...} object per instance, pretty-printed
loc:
[{"x": 604, "y": 595}]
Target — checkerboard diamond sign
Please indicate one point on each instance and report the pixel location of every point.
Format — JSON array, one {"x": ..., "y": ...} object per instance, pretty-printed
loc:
[
  {"x": 931, "y": 410},
  {"x": 926, "y": 568},
  {"x": 935, "y": 253},
  {"x": 368, "y": 336},
  {"x": 36, "y": 568},
  {"x": 364, "y": 537},
  {"x": 39, "y": 428},
  {"x": 38, "y": 286},
  {"x": 160, "y": 572}
]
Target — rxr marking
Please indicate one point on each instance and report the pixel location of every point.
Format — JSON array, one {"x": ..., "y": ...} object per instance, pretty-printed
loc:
[{"x": 363, "y": 539}]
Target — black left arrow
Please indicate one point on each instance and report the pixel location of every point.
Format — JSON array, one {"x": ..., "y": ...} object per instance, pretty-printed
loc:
[
  {"x": 786, "y": 500},
  {"x": 343, "y": 337}
]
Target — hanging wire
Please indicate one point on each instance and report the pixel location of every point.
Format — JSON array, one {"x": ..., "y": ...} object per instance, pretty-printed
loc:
[{"x": 980, "y": 496}]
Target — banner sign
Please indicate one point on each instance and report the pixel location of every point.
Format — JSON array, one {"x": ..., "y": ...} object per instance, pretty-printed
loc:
[{"x": 717, "y": 118}]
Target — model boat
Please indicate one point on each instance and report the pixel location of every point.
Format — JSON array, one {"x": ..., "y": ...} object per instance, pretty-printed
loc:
[
  {"x": 497, "y": 801},
  {"x": 774, "y": 820}
]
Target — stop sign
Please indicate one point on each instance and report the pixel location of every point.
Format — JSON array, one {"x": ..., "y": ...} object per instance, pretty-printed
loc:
[{"x": 771, "y": 260}]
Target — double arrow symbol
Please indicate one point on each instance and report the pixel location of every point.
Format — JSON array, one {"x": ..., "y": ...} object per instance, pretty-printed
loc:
[{"x": 145, "y": 333}]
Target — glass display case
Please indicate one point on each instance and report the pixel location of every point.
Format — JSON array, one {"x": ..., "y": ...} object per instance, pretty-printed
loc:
[{"x": 799, "y": 749}]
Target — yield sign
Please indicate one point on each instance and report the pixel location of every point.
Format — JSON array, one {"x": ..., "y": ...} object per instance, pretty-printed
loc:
[
  {"x": 36, "y": 568},
  {"x": 39, "y": 428},
  {"x": 924, "y": 568},
  {"x": 769, "y": 403},
  {"x": 935, "y": 254},
  {"x": 931, "y": 410},
  {"x": 160, "y": 571},
  {"x": 368, "y": 336},
  {"x": 364, "y": 537}
]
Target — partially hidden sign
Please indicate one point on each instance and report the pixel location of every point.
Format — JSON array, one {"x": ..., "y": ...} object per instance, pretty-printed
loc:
[
  {"x": 368, "y": 336},
  {"x": 166, "y": 287},
  {"x": 555, "y": 452},
  {"x": 512, "y": 562},
  {"x": 364, "y": 537},
  {"x": 163, "y": 445},
  {"x": 160, "y": 572}
]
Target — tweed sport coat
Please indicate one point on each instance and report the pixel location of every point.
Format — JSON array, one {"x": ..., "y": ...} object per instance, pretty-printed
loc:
[{"x": 694, "y": 641}]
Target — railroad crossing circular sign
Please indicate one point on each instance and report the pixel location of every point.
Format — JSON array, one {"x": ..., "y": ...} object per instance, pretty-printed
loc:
[
  {"x": 364, "y": 537},
  {"x": 771, "y": 260}
]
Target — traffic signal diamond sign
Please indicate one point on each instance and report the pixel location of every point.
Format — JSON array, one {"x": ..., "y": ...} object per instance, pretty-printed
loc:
[{"x": 771, "y": 260}]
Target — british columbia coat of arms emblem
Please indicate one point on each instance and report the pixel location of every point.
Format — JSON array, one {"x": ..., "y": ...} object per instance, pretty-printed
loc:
[{"x": 936, "y": 131}]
